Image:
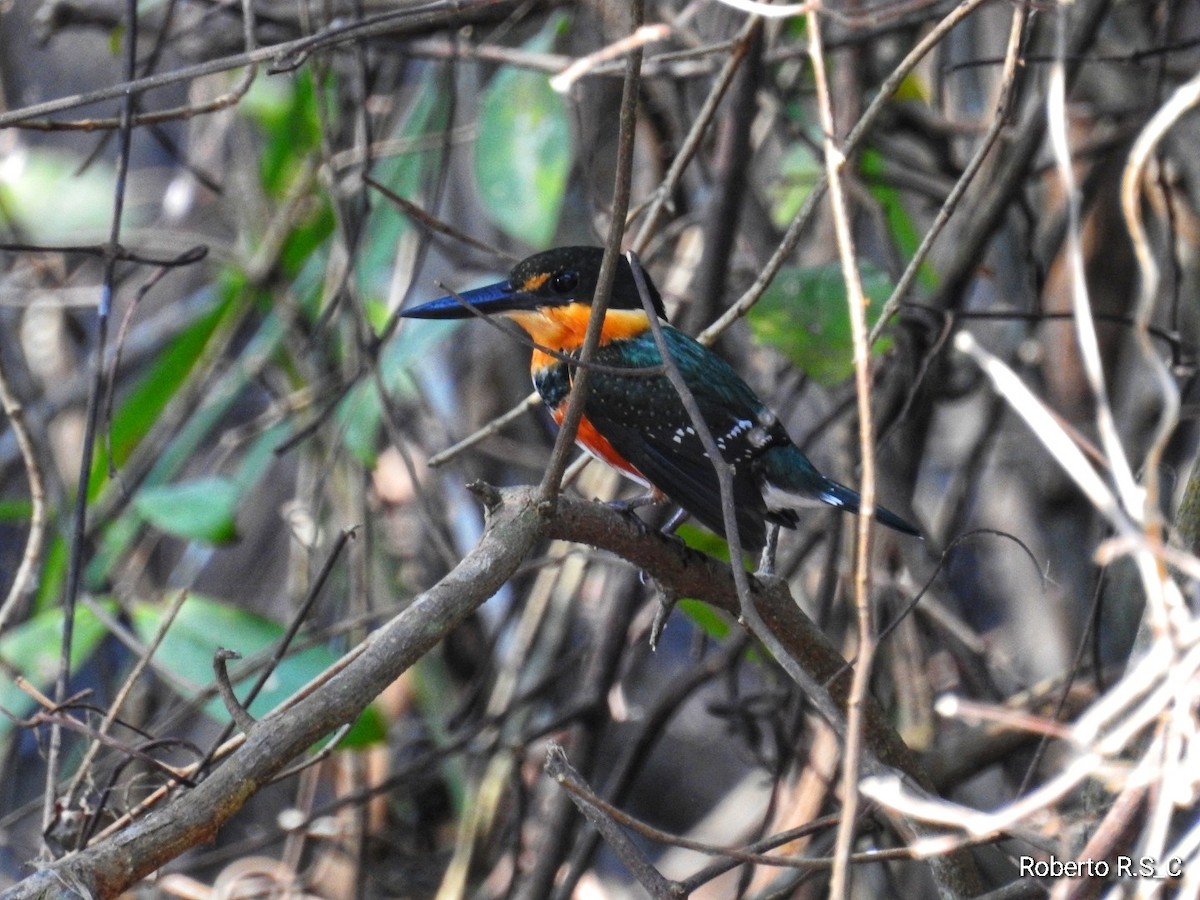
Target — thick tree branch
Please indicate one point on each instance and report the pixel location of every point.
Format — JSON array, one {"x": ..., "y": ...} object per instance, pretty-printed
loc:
[
  {"x": 515, "y": 525},
  {"x": 111, "y": 866},
  {"x": 688, "y": 573}
]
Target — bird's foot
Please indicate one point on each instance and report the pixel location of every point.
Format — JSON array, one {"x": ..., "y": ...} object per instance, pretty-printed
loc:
[
  {"x": 680, "y": 516},
  {"x": 628, "y": 506}
]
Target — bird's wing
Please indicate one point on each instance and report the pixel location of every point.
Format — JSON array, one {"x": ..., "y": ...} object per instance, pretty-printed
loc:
[{"x": 644, "y": 419}]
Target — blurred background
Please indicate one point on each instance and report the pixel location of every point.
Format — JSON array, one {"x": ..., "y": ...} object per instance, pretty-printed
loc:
[{"x": 258, "y": 397}]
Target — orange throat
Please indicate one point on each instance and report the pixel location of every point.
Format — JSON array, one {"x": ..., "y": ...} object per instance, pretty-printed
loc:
[{"x": 562, "y": 328}]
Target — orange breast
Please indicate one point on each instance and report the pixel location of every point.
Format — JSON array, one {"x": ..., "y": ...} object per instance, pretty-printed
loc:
[
  {"x": 587, "y": 437},
  {"x": 562, "y": 328}
]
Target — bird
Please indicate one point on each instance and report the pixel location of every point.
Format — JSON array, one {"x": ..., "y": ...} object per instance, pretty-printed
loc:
[{"x": 637, "y": 422}]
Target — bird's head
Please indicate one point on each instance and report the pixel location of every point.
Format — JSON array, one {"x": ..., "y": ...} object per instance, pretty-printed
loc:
[{"x": 553, "y": 280}]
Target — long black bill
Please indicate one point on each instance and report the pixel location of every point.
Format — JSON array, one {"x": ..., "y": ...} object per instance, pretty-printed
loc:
[{"x": 490, "y": 299}]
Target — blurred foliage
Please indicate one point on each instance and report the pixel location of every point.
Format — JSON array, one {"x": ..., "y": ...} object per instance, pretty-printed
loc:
[
  {"x": 804, "y": 314},
  {"x": 143, "y": 405},
  {"x": 285, "y": 108},
  {"x": 33, "y": 183},
  {"x": 523, "y": 153},
  {"x": 33, "y": 647},
  {"x": 202, "y": 509},
  {"x": 204, "y": 625},
  {"x": 265, "y": 398}
]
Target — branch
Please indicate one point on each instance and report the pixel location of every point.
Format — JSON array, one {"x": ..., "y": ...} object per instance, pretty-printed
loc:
[
  {"x": 109, "y": 867},
  {"x": 684, "y": 572},
  {"x": 515, "y": 524},
  {"x": 396, "y": 24}
]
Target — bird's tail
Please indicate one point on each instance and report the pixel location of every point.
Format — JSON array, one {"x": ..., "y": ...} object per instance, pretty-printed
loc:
[{"x": 790, "y": 481}]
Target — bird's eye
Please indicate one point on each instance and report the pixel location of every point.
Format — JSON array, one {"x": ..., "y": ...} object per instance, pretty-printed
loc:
[{"x": 564, "y": 282}]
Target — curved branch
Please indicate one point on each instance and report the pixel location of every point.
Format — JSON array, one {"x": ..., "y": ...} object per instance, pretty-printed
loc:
[
  {"x": 107, "y": 868},
  {"x": 685, "y": 572},
  {"x": 517, "y": 520}
]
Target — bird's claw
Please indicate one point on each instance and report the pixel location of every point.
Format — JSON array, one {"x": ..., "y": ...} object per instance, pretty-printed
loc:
[{"x": 625, "y": 507}]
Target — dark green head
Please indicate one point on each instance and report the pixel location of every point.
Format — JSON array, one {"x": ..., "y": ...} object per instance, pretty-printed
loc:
[{"x": 556, "y": 277}]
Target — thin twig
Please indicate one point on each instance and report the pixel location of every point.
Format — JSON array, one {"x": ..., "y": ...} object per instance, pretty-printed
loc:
[
  {"x": 495, "y": 426},
  {"x": 835, "y": 161},
  {"x": 646, "y": 34},
  {"x": 237, "y": 710},
  {"x": 771, "y": 10},
  {"x": 1185, "y": 98},
  {"x": 158, "y": 117},
  {"x": 568, "y": 426},
  {"x": 417, "y": 19},
  {"x": 946, "y": 210},
  {"x": 430, "y": 223},
  {"x": 23, "y": 583},
  {"x": 127, "y": 686},
  {"x": 1046, "y": 427},
  {"x": 658, "y": 887},
  {"x": 317, "y": 758},
  {"x": 289, "y": 635},
  {"x": 104, "y": 251},
  {"x": 1131, "y": 496},
  {"x": 91, "y": 422}
]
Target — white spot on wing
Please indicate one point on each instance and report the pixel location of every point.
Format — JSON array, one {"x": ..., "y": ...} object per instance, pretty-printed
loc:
[{"x": 758, "y": 437}]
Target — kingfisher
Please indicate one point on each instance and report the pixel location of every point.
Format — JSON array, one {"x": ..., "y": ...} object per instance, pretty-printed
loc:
[{"x": 636, "y": 422}]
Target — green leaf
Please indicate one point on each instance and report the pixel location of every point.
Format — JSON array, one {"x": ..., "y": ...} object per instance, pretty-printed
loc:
[
  {"x": 359, "y": 416},
  {"x": 800, "y": 169},
  {"x": 804, "y": 314},
  {"x": 142, "y": 406},
  {"x": 194, "y": 433},
  {"x": 913, "y": 87},
  {"x": 32, "y": 648},
  {"x": 202, "y": 509},
  {"x": 285, "y": 108},
  {"x": 204, "y": 624},
  {"x": 523, "y": 153},
  {"x": 16, "y": 510},
  {"x": 900, "y": 224},
  {"x": 705, "y": 618},
  {"x": 307, "y": 238},
  {"x": 260, "y": 455},
  {"x": 705, "y": 541},
  {"x": 54, "y": 574}
]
